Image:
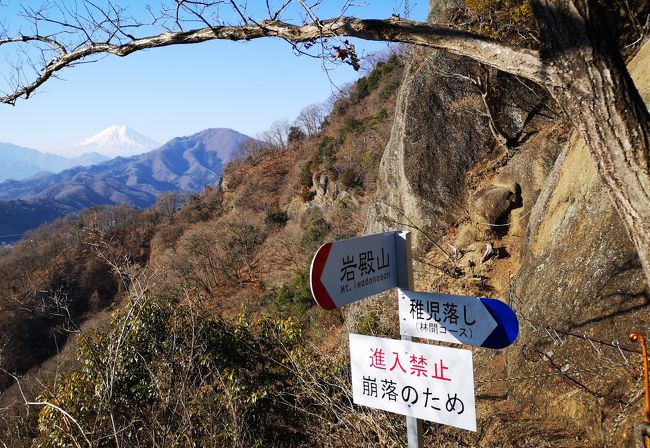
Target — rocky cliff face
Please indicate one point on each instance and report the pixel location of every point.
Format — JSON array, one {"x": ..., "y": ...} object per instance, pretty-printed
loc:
[
  {"x": 560, "y": 255},
  {"x": 580, "y": 273},
  {"x": 442, "y": 149}
]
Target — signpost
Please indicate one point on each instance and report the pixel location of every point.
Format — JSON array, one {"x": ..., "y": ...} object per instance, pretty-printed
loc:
[
  {"x": 420, "y": 381},
  {"x": 414, "y": 430},
  {"x": 424, "y": 381},
  {"x": 348, "y": 270},
  {"x": 483, "y": 322}
]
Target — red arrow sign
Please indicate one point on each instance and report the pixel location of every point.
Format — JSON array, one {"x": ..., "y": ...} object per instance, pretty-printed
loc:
[
  {"x": 348, "y": 270},
  {"x": 318, "y": 290}
]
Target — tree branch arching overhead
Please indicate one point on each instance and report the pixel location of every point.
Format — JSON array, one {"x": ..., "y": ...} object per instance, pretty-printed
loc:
[{"x": 519, "y": 61}]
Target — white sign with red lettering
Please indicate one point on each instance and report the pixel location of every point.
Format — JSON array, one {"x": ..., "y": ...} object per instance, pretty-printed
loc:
[{"x": 424, "y": 381}]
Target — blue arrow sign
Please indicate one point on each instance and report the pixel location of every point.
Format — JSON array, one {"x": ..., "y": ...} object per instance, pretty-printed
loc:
[
  {"x": 508, "y": 326},
  {"x": 483, "y": 322}
]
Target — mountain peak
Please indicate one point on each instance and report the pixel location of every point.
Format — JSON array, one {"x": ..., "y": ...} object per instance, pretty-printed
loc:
[{"x": 118, "y": 140}]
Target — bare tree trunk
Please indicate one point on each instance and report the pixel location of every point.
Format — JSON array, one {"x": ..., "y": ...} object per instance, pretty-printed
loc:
[{"x": 599, "y": 97}]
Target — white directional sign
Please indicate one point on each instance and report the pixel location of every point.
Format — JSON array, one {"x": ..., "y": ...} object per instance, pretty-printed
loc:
[
  {"x": 481, "y": 322},
  {"x": 349, "y": 270},
  {"x": 417, "y": 380},
  {"x": 443, "y": 317}
]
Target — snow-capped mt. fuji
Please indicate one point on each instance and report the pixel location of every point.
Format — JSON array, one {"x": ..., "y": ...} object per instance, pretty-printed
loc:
[{"x": 117, "y": 141}]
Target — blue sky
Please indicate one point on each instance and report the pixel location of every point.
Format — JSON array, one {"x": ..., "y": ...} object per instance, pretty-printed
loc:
[{"x": 174, "y": 91}]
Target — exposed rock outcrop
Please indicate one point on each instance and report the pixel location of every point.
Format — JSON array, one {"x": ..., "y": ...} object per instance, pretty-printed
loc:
[
  {"x": 575, "y": 282},
  {"x": 441, "y": 148},
  {"x": 580, "y": 273}
]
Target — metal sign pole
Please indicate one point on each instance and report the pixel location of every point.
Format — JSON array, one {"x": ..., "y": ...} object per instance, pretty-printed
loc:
[{"x": 405, "y": 281}]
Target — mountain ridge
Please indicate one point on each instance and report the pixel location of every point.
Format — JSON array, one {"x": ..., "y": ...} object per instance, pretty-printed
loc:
[
  {"x": 184, "y": 164},
  {"x": 19, "y": 162}
]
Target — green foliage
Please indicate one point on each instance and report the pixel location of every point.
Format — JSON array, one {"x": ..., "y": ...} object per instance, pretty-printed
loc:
[
  {"x": 356, "y": 126},
  {"x": 276, "y": 217},
  {"x": 168, "y": 374},
  {"x": 353, "y": 125},
  {"x": 518, "y": 10},
  {"x": 361, "y": 90},
  {"x": 366, "y": 85},
  {"x": 295, "y": 134},
  {"x": 481, "y": 5},
  {"x": 382, "y": 70},
  {"x": 389, "y": 90},
  {"x": 350, "y": 177},
  {"x": 510, "y": 20},
  {"x": 369, "y": 323},
  {"x": 344, "y": 205},
  {"x": 379, "y": 118},
  {"x": 315, "y": 231},
  {"x": 354, "y": 171},
  {"x": 305, "y": 177},
  {"x": 294, "y": 298},
  {"x": 326, "y": 150}
]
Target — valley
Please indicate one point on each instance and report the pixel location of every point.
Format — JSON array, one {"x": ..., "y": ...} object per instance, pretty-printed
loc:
[{"x": 184, "y": 165}]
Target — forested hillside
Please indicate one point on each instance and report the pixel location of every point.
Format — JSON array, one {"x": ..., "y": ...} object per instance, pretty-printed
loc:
[{"x": 212, "y": 302}]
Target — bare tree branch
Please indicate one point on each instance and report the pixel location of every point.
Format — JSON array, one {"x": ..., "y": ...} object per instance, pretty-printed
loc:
[
  {"x": 36, "y": 38},
  {"x": 28, "y": 402},
  {"x": 519, "y": 61}
]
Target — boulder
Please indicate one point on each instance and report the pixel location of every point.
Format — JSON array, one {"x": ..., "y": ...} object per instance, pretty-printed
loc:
[{"x": 491, "y": 206}]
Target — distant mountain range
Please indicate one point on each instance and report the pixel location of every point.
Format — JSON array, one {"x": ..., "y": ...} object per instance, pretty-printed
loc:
[
  {"x": 184, "y": 164},
  {"x": 17, "y": 162}
]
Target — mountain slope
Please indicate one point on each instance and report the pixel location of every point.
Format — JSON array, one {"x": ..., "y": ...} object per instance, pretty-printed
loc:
[
  {"x": 17, "y": 162},
  {"x": 244, "y": 246},
  {"x": 184, "y": 164},
  {"x": 20, "y": 216},
  {"x": 118, "y": 140}
]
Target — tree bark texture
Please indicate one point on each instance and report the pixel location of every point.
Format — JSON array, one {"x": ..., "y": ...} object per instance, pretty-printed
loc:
[{"x": 599, "y": 97}]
